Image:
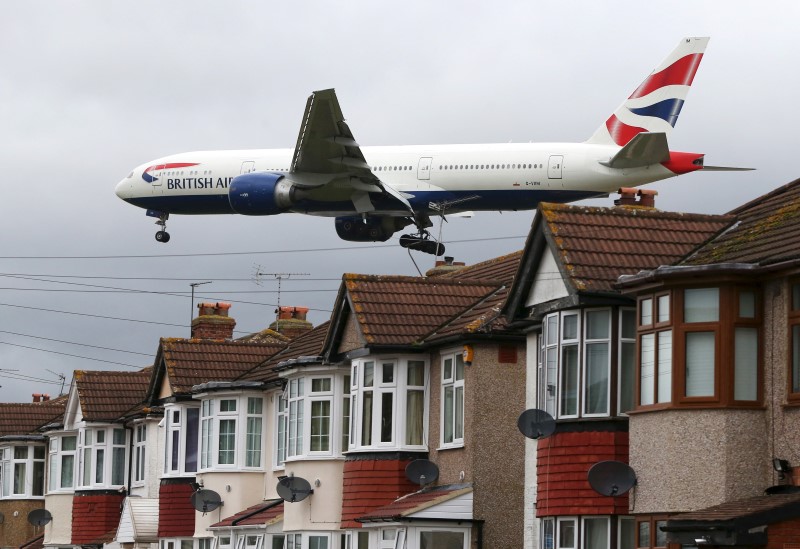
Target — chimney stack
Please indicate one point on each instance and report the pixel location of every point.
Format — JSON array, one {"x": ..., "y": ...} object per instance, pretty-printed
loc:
[
  {"x": 647, "y": 198},
  {"x": 37, "y": 397},
  {"x": 444, "y": 266},
  {"x": 627, "y": 197},
  {"x": 213, "y": 322},
  {"x": 292, "y": 322}
]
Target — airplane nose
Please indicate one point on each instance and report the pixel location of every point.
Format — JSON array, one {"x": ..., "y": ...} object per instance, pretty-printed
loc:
[{"x": 124, "y": 188}]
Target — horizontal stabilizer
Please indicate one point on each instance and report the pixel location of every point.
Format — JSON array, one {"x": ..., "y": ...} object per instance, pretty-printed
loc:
[
  {"x": 725, "y": 169},
  {"x": 644, "y": 149}
]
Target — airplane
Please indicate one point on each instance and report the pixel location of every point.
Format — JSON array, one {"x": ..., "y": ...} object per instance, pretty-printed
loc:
[{"x": 374, "y": 192}]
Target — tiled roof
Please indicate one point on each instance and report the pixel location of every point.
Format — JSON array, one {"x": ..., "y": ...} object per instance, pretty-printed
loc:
[
  {"x": 308, "y": 344},
  {"x": 265, "y": 336},
  {"x": 109, "y": 395},
  {"x": 597, "y": 245},
  {"x": 34, "y": 543},
  {"x": 400, "y": 310},
  {"x": 748, "y": 512},
  {"x": 416, "y": 502},
  {"x": 191, "y": 362},
  {"x": 484, "y": 316},
  {"x": 262, "y": 514},
  {"x": 25, "y": 418},
  {"x": 501, "y": 269},
  {"x": 767, "y": 231}
]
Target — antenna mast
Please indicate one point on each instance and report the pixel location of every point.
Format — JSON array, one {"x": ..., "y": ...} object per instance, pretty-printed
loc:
[{"x": 279, "y": 277}]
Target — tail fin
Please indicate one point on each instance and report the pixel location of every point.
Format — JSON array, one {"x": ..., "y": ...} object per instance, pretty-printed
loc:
[{"x": 657, "y": 102}]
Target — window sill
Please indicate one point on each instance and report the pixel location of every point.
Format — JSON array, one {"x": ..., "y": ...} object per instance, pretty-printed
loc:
[{"x": 450, "y": 447}]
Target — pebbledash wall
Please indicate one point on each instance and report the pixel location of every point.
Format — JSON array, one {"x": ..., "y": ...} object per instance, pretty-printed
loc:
[{"x": 15, "y": 528}]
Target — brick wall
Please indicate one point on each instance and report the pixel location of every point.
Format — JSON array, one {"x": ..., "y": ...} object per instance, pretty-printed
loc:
[
  {"x": 563, "y": 462},
  {"x": 175, "y": 511},
  {"x": 371, "y": 483},
  {"x": 784, "y": 535},
  {"x": 94, "y": 514},
  {"x": 16, "y": 530}
]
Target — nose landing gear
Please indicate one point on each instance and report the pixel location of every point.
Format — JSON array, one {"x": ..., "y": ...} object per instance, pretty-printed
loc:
[{"x": 162, "y": 235}]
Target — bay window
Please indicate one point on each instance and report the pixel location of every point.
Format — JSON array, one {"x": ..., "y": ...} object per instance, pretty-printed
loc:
[
  {"x": 699, "y": 347},
  {"x": 182, "y": 423},
  {"x": 575, "y": 365},
  {"x": 452, "y": 420},
  {"x": 388, "y": 403},
  {"x": 22, "y": 471},
  {"x": 587, "y": 532},
  {"x": 62, "y": 461},
  {"x": 230, "y": 432},
  {"x": 103, "y": 453}
]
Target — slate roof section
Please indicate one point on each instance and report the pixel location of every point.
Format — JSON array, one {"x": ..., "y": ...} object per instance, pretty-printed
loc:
[
  {"x": 414, "y": 503},
  {"x": 597, "y": 245},
  {"x": 307, "y": 345},
  {"x": 26, "y": 418},
  {"x": 767, "y": 232},
  {"x": 401, "y": 310},
  {"x": 262, "y": 514},
  {"x": 107, "y": 396},
  {"x": 192, "y": 362}
]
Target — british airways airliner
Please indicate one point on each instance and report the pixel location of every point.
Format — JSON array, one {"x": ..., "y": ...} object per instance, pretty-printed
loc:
[{"x": 374, "y": 192}]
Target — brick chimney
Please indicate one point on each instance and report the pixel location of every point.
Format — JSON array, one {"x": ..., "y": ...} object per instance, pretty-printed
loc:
[
  {"x": 647, "y": 198},
  {"x": 627, "y": 197},
  {"x": 37, "y": 397},
  {"x": 292, "y": 322},
  {"x": 444, "y": 267},
  {"x": 213, "y": 322}
]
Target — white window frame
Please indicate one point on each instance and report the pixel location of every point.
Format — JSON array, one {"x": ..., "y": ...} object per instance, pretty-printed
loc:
[
  {"x": 320, "y": 396},
  {"x": 254, "y": 432},
  {"x": 55, "y": 467},
  {"x": 213, "y": 412},
  {"x": 557, "y": 533},
  {"x": 398, "y": 387},
  {"x": 139, "y": 465},
  {"x": 177, "y": 422},
  {"x": 9, "y": 462},
  {"x": 281, "y": 425},
  {"x": 583, "y": 537},
  {"x": 565, "y": 341},
  {"x": 295, "y": 403},
  {"x": 584, "y": 364},
  {"x": 90, "y": 445},
  {"x": 452, "y": 382}
]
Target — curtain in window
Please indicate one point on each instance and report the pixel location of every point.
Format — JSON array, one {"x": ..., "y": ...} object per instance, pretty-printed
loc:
[
  {"x": 597, "y": 373},
  {"x": 700, "y": 364},
  {"x": 665, "y": 366},
  {"x": 366, "y": 419},
  {"x": 648, "y": 374},
  {"x": 415, "y": 409},
  {"x": 569, "y": 380},
  {"x": 192, "y": 423},
  {"x": 595, "y": 535}
]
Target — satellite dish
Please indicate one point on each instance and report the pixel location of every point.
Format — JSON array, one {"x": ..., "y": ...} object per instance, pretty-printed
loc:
[
  {"x": 422, "y": 472},
  {"x": 611, "y": 478},
  {"x": 205, "y": 500},
  {"x": 294, "y": 489},
  {"x": 39, "y": 517},
  {"x": 536, "y": 424}
]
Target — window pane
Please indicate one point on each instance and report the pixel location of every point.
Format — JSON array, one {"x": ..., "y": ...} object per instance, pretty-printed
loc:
[
  {"x": 20, "y": 452},
  {"x": 119, "y": 437},
  {"x": 747, "y": 304},
  {"x": 546, "y": 534},
  {"x": 319, "y": 385},
  {"x": 416, "y": 373},
  {"x": 597, "y": 373},
  {"x": 67, "y": 471},
  {"x": 253, "y": 446},
  {"x": 192, "y": 439},
  {"x": 99, "y": 465},
  {"x": 569, "y": 380},
  {"x": 38, "y": 478},
  {"x": 700, "y": 364},
  {"x": 595, "y": 535},
  {"x": 447, "y": 369},
  {"x": 118, "y": 466},
  {"x": 441, "y": 540},
  {"x": 648, "y": 362},
  {"x": 317, "y": 542},
  {"x": 369, "y": 373},
  {"x": 459, "y": 366},
  {"x": 566, "y": 534},
  {"x": 366, "y": 419},
  {"x": 320, "y": 426},
  {"x": 661, "y": 536},
  {"x": 255, "y": 405},
  {"x": 387, "y": 417},
  {"x": 627, "y": 369},
  {"x": 597, "y": 324},
  {"x": 227, "y": 441},
  {"x": 227, "y": 405},
  {"x": 628, "y": 323},
  {"x": 627, "y": 533},
  {"x": 448, "y": 414},
  {"x": 570, "y": 327},
  {"x": 68, "y": 443},
  {"x": 644, "y": 535},
  {"x": 459, "y": 412},
  {"x": 663, "y": 308},
  {"x": 19, "y": 477},
  {"x": 645, "y": 312},
  {"x": 551, "y": 336},
  {"x": 387, "y": 370},
  {"x": 665, "y": 366},
  {"x": 415, "y": 409},
  {"x": 701, "y": 305},
  {"x": 745, "y": 384},
  {"x": 176, "y": 446}
]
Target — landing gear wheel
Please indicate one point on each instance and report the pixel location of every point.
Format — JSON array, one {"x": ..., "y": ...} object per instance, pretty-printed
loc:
[
  {"x": 162, "y": 236},
  {"x": 422, "y": 243}
]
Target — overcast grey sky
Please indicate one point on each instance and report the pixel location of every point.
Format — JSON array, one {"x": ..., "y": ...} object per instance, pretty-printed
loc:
[{"x": 90, "y": 89}]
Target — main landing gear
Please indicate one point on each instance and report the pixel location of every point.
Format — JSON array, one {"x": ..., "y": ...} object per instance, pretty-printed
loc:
[
  {"x": 422, "y": 242},
  {"x": 162, "y": 235}
]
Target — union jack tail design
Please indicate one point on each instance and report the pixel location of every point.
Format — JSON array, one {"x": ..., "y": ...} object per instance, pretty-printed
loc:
[{"x": 657, "y": 102}]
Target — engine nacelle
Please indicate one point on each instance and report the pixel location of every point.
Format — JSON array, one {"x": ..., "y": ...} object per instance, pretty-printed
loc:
[
  {"x": 371, "y": 229},
  {"x": 261, "y": 193}
]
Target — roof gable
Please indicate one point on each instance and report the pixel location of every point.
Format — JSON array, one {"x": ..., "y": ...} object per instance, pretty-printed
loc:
[
  {"x": 548, "y": 282},
  {"x": 107, "y": 396}
]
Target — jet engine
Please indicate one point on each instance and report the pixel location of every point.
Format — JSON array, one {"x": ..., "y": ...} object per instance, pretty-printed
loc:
[
  {"x": 370, "y": 229},
  {"x": 261, "y": 193}
]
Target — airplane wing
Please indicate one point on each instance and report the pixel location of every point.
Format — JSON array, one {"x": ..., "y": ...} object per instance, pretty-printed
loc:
[{"x": 329, "y": 155}]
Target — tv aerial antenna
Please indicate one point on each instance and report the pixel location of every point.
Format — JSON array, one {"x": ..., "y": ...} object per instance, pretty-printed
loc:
[
  {"x": 191, "y": 306},
  {"x": 259, "y": 274},
  {"x": 61, "y": 378}
]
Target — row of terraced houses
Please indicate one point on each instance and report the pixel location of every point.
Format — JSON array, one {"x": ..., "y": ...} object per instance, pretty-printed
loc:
[{"x": 666, "y": 341}]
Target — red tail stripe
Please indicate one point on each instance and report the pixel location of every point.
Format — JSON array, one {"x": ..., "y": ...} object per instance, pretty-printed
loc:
[
  {"x": 680, "y": 73},
  {"x": 620, "y": 132}
]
